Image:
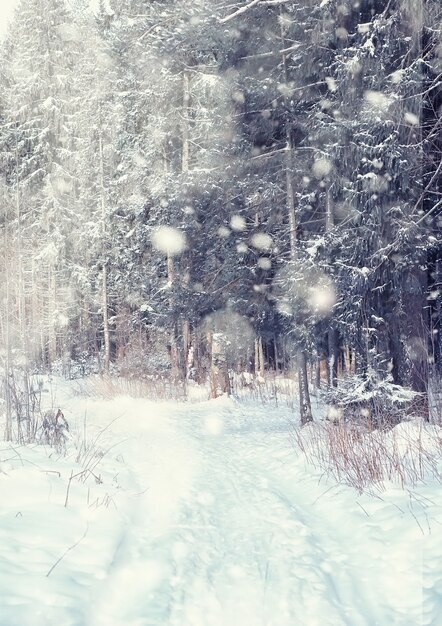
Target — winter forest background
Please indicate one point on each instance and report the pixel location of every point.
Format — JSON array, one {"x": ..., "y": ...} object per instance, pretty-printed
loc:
[{"x": 192, "y": 190}]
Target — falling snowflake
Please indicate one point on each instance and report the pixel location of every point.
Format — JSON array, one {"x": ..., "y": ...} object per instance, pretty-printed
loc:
[{"x": 169, "y": 240}]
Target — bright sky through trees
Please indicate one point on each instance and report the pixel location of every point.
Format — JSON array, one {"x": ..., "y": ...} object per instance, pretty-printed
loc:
[{"x": 6, "y": 10}]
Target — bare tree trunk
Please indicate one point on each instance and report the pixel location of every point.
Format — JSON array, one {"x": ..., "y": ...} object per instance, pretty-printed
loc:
[
  {"x": 22, "y": 322},
  {"x": 332, "y": 335},
  {"x": 275, "y": 348},
  {"x": 186, "y": 346},
  {"x": 318, "y": 374},
  {"x": 304, "y": 394},
  {"x": 185, "y": 156},
  {"x": 333, "y": 357},
  {"x": 185, "y": 126},
  {"x": 52, "y": 302},
  {"x": 173, "y": 338},
  {"x": 106, "y": 331},
  {"x": 122, "y": 333},
  {"x": 104, "y": 274},
  {"x": 417, "y": 328},
  {"x": 256, "y": 357},
  {"x": 261, "y": 362},
  {"x": 7, "y": 342},
  {"x": 219, "y": 374}
]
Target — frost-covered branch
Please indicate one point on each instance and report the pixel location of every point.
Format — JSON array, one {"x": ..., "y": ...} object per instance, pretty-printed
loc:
[{"x": 246, "y": 7}]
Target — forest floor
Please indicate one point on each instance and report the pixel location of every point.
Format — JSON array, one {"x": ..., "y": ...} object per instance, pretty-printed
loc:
[{"x": 205, "y": 514}]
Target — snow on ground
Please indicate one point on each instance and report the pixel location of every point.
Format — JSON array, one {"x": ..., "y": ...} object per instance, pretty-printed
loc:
[{"x": 205, "y": 515}]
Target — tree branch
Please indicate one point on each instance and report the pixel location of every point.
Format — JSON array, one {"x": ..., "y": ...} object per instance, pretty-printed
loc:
[
  {"x": 250, "y": 5},
  {"x": 243, "y": 9}
]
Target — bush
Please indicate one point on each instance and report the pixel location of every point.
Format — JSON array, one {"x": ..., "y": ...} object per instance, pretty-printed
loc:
[
  {"x": 368, "y": 398},
  {"x": 54, "y": 430}
]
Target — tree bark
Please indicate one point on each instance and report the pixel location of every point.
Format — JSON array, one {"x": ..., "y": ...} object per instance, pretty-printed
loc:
[
  {"x": 304, "y": 394},
  {"x": 185, "y": 157},
  {"x": 106, "y": 331},
  {"x": 219, "y": 374},
  {"x": 173, "y": 337},
  {"x": 333, "y": 357},
  {"x": 7, "y": 341},
  {"x": 104, "y": 274},
  {"x": 185, "y": 126}
]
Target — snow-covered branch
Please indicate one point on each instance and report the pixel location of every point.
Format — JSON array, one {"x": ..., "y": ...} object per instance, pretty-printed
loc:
[{"x": 249, "y": 6}]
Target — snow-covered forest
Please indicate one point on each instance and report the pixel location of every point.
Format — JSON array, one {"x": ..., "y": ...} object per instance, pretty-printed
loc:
[
  {"x": 235, "y": 207},
  {"x": 267, "y": 172}
]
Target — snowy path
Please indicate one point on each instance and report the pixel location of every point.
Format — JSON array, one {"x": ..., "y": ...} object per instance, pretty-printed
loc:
[
  {"x": 217, "y": 522},
  {"x": 228, "y": 535}
]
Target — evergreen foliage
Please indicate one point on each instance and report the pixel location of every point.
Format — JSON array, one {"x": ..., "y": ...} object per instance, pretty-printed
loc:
[{"x": 293, "y": 148}]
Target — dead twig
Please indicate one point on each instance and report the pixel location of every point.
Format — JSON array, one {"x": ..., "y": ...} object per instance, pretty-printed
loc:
[{"x": 67, "y": 551}]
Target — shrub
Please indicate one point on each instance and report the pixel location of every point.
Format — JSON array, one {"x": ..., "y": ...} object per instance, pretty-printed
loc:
[{"x": 364, "y": 458}]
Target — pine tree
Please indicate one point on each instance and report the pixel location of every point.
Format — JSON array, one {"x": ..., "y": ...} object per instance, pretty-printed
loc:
[{"x": 40, "y": 56}]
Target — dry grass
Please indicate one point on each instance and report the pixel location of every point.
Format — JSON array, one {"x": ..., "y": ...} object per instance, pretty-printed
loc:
[
  {"x": 109, "y": 387},
  {"x": 272, "y": 389},
  {"x": 365, "y": 459}
]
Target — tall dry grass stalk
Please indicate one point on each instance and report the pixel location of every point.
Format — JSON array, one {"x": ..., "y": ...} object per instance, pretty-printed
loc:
[
  {"x": 109, "y": 387},
  {"x": 365, "y": 459}
]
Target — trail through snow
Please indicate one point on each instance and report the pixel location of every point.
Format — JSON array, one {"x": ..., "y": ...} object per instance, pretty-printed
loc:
[
  {"x": 232, "y": 532},
  {"x": 218, "y": 522}
]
